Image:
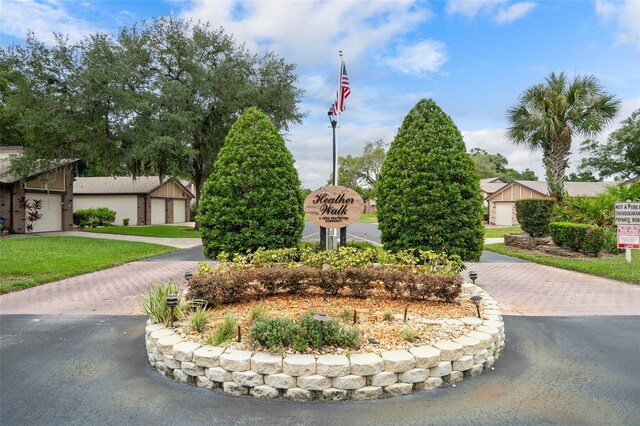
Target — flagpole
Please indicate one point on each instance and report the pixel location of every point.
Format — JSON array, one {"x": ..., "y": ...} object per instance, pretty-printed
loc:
[{"x": 337, "y": 145}]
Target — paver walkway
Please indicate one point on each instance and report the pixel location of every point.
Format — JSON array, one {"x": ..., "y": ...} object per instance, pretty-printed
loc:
[
  {"x": 114, "y": 291},
  {"x": 537, "y": 290},
  {"x": 171, "y": 242}
]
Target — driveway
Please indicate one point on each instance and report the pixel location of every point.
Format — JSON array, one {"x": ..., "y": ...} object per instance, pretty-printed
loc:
[{"x": 573, "y": 345}]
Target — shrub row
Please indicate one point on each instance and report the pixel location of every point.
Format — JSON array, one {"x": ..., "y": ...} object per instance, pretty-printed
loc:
[
  {"x": 226, "y": 286},
  {"x": 577, "y": 236},
  {"x": 359, "y": 256},
  {"x": 535, "y": 215},
  {"x": 278, "y": 333},
  {"x": 99, "y": 216}
]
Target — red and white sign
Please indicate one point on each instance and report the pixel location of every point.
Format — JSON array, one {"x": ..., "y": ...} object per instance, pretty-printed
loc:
[{"x": 628, "y": 237}]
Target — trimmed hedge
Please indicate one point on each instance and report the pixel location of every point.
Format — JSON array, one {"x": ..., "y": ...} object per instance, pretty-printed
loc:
[
  {"x": 100, "y": 216},
  {"x": 578, "y": 236},
  {"x": 239, "y": 285},
  {"x": 428, "y": 189},
  {"x": 535, "y": 215}
]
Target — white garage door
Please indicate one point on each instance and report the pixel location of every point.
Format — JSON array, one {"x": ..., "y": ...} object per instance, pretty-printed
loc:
[
  {"x": 179, "y": 211},
  {"x": 51, "y": 212},
  {"x": 504, "y": 214},
  {"x": 158, "y": 211}
]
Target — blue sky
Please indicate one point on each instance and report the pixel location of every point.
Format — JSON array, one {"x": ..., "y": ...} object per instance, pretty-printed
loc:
[{"x": 473, "y": 58}]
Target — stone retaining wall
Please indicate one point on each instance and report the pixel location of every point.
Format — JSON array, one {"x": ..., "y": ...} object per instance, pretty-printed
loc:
[{"x": 332, "y": 377}]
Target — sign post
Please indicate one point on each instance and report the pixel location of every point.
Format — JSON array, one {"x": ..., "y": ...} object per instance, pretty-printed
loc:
[{"x": 628, "y": 224}]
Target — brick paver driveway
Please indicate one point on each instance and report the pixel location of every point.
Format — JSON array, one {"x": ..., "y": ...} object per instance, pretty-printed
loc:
[{"x": 531, "y": 289}]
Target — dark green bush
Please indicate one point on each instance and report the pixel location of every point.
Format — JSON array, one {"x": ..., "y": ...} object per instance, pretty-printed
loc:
[
  {"x": 100, "y": 216},
  {"x": 428, "y": 190},
  {"x": 535, "y": 215},
  {"x": 252, "y": 199},
  {"x": 278, "y": 333},
  {"x": 578, "y": 236}
]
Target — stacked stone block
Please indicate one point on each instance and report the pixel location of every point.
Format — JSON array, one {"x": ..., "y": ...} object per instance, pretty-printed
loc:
[{"x": 332, "y": 377}]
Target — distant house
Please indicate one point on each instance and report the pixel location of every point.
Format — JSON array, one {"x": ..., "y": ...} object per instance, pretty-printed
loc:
[
  {"x": 490, "y": 185},
  {"x": 53, "y": 185},
  {"x": 144, "y": 200},
  {"x": 502, "y": 209}
]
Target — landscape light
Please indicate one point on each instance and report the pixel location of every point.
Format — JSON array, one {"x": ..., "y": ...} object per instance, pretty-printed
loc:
[
  {"x": 476, "y": 300},
  {"x": 321, "y": 317},
  {"x": 172, "y": 302},
  {"x": 473, "y": 275}
]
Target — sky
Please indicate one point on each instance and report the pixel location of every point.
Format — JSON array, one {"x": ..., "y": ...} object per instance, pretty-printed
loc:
[{"x": 473, "y": 58}]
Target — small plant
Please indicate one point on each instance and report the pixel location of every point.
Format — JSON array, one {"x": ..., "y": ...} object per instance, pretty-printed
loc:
[
  {"x": 155, "y": 303},
  {"x": 125, "y": 221},
  {"x": 276, "y": 333},
  {"x": 387, "y": 315},
  {"x": 257, "y": 313},
  {"x": 199, "y": 318},
  {"x": 408, "y": 334},
  {"x": 32, "y": 209},
  {"x": 345, "y": 314},
  {"x": 225, "y": 331}
]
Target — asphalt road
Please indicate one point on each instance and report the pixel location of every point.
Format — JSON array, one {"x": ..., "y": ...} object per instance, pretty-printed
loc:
[{"x": 92, "y": 370}]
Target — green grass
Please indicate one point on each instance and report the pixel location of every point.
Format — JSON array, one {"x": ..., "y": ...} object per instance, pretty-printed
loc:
[
  {"x": 159, "y": 231},
  {"x": 369, "y": 218},
  {"x": 499, "y": 232},
  {"x": 30, "y": 261},
  {"x": 614, "y": 267}
]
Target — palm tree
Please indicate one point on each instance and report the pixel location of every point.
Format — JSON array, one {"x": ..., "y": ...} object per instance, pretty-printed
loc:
[{"x": 547, "y": 117}]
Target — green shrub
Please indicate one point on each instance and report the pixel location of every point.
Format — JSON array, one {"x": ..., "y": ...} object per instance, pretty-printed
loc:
[
  {"x": 155, "y": 303},
  {"x": 199, "y": 318},
  {"x": 577, "y": 236},
  {"x": 252, "y": 198},
  {"x": 125, "y": 221},
  {"x": 273, "y": 333},
  {"x": 428, "y": 190},
  {"x": 535, "y": 215},
  {"x": 225, "y": 331},
  {"x": 100, "y": 216}
]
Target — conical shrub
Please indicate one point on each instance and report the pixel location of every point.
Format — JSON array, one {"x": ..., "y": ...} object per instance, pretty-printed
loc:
[
  {"x": 429, "y": 192},
  {"x": 252, "y": 198}
]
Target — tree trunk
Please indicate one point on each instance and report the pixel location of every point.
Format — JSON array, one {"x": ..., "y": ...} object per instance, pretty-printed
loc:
[{"x": 556, "y": 161}]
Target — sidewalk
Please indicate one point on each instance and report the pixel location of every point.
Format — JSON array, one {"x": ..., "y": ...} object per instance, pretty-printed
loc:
[{"x": 171, "y": 242}]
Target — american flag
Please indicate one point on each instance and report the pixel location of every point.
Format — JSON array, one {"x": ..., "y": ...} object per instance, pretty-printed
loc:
[{"x": 343, "y": 92}]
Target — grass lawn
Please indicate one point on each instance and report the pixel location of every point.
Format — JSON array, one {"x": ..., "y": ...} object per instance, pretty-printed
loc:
[
  {"x": 614, "y": 267},
  {"x": 30, "y": 261},
  {"x": 369, "y": 218},
  {"x": 499, "y": 232},
  {"x": 160, "y": 231}
]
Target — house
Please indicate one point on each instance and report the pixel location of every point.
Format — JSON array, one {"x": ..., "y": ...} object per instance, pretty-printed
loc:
[
  {"x": 502, "y": 209},
  {"x": 145, "y": 200},
  {"x": 52, "y": 185},
  {"x": 490, "y": 185}
]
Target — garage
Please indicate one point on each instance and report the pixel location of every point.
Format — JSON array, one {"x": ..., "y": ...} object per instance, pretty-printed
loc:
[
  {"x": 158, "y": 211},
  {"x": 504, "y": 214},
  {"x": 179, "y": 211}
]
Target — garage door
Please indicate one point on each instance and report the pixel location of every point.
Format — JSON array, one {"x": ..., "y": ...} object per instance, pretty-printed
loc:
[
  {"x": 504, "y": 214},
  {"x": 179, "y": 211},
  {"x": 51, "y": 212},
  {"x": 158, "y": 211}
]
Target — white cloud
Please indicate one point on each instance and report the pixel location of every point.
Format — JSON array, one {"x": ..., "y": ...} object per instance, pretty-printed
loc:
[
  {"x": 514, "y": 12},
  {"x": 42, "y": 18},
  {"x": 305, "y": 31},
  {"x": 425, "y": 57},
  {"x": 503, "y": 13},
  {"x": 470, "y": 8},
  {"x": 626, "y": 15}
]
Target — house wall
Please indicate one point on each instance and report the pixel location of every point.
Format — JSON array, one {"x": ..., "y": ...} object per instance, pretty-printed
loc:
[
  {"x": 5, "y": 205},
  {"x": 125, "y": 206},
  {"x": 511, "y": 193}
]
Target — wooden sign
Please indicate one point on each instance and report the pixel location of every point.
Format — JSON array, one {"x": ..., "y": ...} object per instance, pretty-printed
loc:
[{"x": 333, "y": 206}]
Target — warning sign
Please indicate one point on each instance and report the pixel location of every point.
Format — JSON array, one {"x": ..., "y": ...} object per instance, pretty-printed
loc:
[
  {"x": 628, "y": 237},
  {"x": 627, "y": 213}
]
